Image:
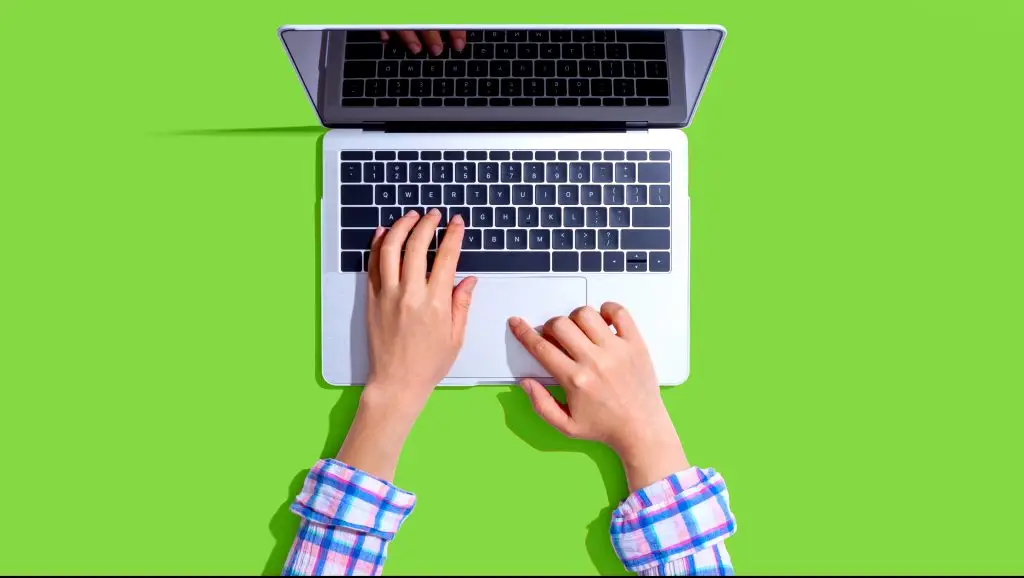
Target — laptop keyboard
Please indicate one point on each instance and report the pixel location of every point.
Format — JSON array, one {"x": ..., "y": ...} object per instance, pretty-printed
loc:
[
  {"x": 525, "y": 211},
  {"x": 510, "y": 68}
]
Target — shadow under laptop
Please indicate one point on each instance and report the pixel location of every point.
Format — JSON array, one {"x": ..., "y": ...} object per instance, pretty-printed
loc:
[{"x": 529, "y": 427}]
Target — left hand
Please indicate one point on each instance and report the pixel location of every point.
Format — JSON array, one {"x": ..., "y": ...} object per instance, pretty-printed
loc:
[{"x": 431, "y": 38}]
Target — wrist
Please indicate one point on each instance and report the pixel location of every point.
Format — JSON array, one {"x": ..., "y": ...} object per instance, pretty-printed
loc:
[
  {"x": 378, "y": 432},
  {"x": 651, "y": 452}
]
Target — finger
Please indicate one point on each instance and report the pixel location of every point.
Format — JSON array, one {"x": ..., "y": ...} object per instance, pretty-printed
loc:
[
  {"x": 546, "y": 353},
  {"x": 458, "y": 39},
  {"x": 391, "y": 249},
  {"x": 549, "y": 409},
  {"x": 432, "y": 38},
  {"x": 570, "y": 337},
  {"x": 414, "y": 269},
  {"x": 462, "y": 298},
  {"x": 442, "y": 275},
  {"x": 591, "y": 323},
  {"x": 411, "y": 41},
  {"x": 384, "y": 35},
  {"x": 374, "y": 266},
  {"x": 618, "y": 317}
]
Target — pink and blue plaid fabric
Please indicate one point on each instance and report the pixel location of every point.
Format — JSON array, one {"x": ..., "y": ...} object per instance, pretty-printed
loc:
[{"x": 676, "y": 526}]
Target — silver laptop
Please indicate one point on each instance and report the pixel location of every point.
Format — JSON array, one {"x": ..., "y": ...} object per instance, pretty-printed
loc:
[{"x": 560, "y": 147}]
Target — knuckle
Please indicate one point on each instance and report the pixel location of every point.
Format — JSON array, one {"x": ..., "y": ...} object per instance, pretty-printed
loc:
[{"x": 559, "y": 324}]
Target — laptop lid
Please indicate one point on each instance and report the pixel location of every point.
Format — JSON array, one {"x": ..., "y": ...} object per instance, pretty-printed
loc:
[{"x": 643, "y": 75}]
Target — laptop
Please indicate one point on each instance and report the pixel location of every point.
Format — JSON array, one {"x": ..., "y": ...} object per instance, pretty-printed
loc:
[{"x": 560, "y": 147}]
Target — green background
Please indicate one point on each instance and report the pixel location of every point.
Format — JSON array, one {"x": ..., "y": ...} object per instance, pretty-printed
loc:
[{"x": 856, "y": 374}]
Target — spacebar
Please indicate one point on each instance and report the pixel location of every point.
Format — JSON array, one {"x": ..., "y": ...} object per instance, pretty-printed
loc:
[{"x": 504, "y": 262}]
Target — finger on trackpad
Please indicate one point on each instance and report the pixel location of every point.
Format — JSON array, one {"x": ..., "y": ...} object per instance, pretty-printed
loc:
[{"x": 490, "y": 350}]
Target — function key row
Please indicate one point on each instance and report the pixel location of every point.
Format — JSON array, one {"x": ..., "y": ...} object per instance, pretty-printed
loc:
[
  {"x": 630, "y": 35},
  {"x": 364, "y": 155}
]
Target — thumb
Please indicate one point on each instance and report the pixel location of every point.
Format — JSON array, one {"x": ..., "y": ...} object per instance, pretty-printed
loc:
[
  {"x": 462, "y": 296},
  {"x": 549, "y": 409}
]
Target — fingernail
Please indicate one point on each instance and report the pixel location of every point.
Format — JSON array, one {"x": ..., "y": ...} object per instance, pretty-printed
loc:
[
  {"x": 415, "y": 47},
  {"x": 471, "y": 284},
  {"x": 413, "y": 213},
  {"x": 378, "y": 232},
  {"x": 436, "y": 49},
  {"x": 457, "y": 219},
  {"x": 460, "y": 44},
  {"x": 435, "y": 212},
  {"x": 514, "y": 321}
]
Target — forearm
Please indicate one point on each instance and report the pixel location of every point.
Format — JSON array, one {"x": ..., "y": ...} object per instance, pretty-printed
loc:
[
  {"x": 652, "y": 452},
  {"x": 377, "y": 435}
]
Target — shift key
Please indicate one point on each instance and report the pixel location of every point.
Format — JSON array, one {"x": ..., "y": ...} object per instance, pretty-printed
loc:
[{"x": 645, "y": 239}]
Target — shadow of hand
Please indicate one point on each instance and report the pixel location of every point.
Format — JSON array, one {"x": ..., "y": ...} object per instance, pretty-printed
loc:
[{"x": 529, "y": 427}]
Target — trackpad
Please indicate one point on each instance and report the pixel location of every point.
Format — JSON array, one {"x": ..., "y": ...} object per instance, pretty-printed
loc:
[{"x": 491, "y": 351}]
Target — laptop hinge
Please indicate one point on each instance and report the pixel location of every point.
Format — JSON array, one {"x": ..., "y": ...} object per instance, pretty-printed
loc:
[{"x": 415, "y": 127}]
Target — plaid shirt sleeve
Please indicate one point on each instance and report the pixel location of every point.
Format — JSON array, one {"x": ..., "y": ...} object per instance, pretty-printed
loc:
[
  {"x": 676, "y": 526},
  {"x": 348, "y": 518}
]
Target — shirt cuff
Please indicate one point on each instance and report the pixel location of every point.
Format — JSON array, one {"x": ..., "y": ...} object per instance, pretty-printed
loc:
[
  {"x": 672, "y": 519},
  {"x": 336, "y": 494}
]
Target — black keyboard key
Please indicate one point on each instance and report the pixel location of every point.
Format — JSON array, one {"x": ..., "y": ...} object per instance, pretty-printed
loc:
[
  {"x": 568, "y": 102},
  {"x": 376, "y": 87},
  {"x": 568, "y": 156},
  {"x": 597, "y": 217},
  {"x": 516, "y": 239},
  {"x": 388, "y": 69},
  {"x": 359, "y": 217},
  {"x": 550, "y": 217},
  {"x": 472, "y": 239},
  {"x": 533, "y": 87},
  {"x": 579, "y": 172},
  {"x": 593, "y": 51},
  {"x": 590, "y": 102},
  {"x": 504, "y": 217},
  {"x": 636, "y": 266},
  {"x": 608, "y": 239},
  {"x": 478, "y": 68},
  {"x": 659, "y": 195},
  {"x": 356, "y": 156},
  {"x": 410, "y": 69},
  {"x": 356, "y": 238},
  {"x": 351, "y": 261},
  {"x": 561, "y": 36},
  {"x": 568, "y": 195},
  {"x": 522, "y": 68},
  {"x": 511, "y": 87},
  {"x": 614, "y": 155},
  {"x": 356, "y": 195},
  {"x": 454, "y": 195},
  {"x": 651, "y": 217},
  {"x": 545, "y": 194},
  {"x": 528, "y": 50},
  {"x": 487, "y": 172},
  {"x": 538, "y": 35},
  {"x": 489, "y": 87},
  {"x": 659, "y": 261},
  {"x": 397, "y": 172},
  {"x": 540, "y": 240},
  {"x": 565, "y": 261},
  {"x": 550, "y": 51},
  {"x": 574, "y": 51},
  {"x": 465, "y": 172},
  {"x": 483, "y": 51},
  {"x": 614, "y": 262},
  {"x": 352, "y": 88},
  {"x": 430, "y": 195},
  {"x": 408, "y": 155},
  {"x": 647, "y": 52},
  {"x": 444, "y": 87},
  {"x": 499, "y": 195},
  {"x": 460, "y": 211},
  {"x": 612, "y": 101},
  {"x": 545, "y": 155},
  {"x": 384, "y": 195},
  {"x": 636, "y": 256},
  {"x": 516, "y": 36},
  {"x": 633, "y": 69},
  {"x": 656, "y": 69},
  {"x": 632, "y": 35},
  {"x": 474, "y": 36},
  {"x": 522, "y": 194},
  {"x": 611, "y": 68},
  {"x": 616, "y": 51},
  {"x": 651, "y": 87},
  {"x": 545, "y": 68},
  {"x": 527, "y": 216},
  {"x": 654, "y": 173},
  {"x": 636, "y": 155},
  {"x": 501, "y": 68},
  {"x": 465, "y": 87},
  {"x": 591, "y": 155},
  {"x": 557, "y": 172},
  {"x": 561, "y": 239},
  {"x": 579, "y": 87},
  {"x": 500, "y": 102},
  {"x": 388, "y": 215},
  {"x": 604, "y": 36},
  {"x": 534, "y": 172},
  {"x": 419, "y": 172},
  {"x": 476, "y": 156},
  {"x": 660, "y": 155},
  {"x": 590, "y": 194},
  {"x": 476, "y": 194},
  {"x": 483, "y": 217},
  {"x": 625, "y": 172},
  {"x": 586, "y": 239},
  {"x": 441, "y": 172},
  {"x": 636, "y": 194},
  {"x": 645, "y": 239},
  {"x": 603, "y": 172},
  {"x": 357, "y": 69},
  {"x": 582, "y": 35},
  {"x": 351, "y": 172},
  {"x": 494, "y": 239},
  {"x": 504, "y": 262},
  {"x": 408, "y": 195},
  {"x": 623, "y": 86},
  {"x": 636, "y": 102},
  {"x": 454, "y": 68},
  {"x": 614, "y": 195},
  {"x": 373, "y": 172},
  {"x": 494, "y": 35},
  {"x": 455, "y": 102},
  {"x": 555, "y": 87},
  {"x": 572, "y": 217},
  {"x": 618, "y": 217},
  {"x": 522, "y": 155},
  {"x": 505, "y": 51},
  {"x": 384, "y": 155},
  {"x": 419, "y": 87},
  {"x": 453, "y": 155},
  {"x": 567, "y": 68},
  {"x": 590, "y": 262},
  {"x": 601, "y": 87},
  {"x": 359, "y": 51}
]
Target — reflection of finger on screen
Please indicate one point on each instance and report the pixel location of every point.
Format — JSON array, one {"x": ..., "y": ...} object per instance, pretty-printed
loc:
[
  {"x": 458, "y": 39},
  {"x": 384, "y": 35},
  {"x": 432, "y": 38}
]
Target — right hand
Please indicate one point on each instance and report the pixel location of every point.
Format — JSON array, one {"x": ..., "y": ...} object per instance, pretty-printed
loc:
[
  {"x": 430, "y": 38},
  {"x": 611, "y": 389}
]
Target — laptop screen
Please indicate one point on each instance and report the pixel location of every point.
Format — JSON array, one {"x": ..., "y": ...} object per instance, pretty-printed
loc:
[{"x": 516, "y": 74}]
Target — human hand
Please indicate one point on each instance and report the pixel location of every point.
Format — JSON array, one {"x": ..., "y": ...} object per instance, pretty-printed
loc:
[
  {"x": 415, "y": 327},
  {"x": 431, "y": 38},
  {"x": 611, "y": 390}
]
